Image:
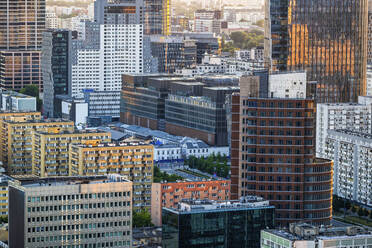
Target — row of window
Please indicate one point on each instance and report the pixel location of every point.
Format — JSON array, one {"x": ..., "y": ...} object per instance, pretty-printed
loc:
[
  {"x": 78, "y": 216},
  {"x": 78, "y": 196}
]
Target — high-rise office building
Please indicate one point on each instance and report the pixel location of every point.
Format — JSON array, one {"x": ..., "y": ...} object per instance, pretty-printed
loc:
[
  {"x": 119, "y": 12},
  {"x": 71, "y": 212},
  {"x": 157, "y": 17},
  {"x": 207, "y": 21},
  {"x": 21, "y": 27},
  {"x": 56, "y": 69},
  {"x": 326, "y": 38},
  {"x": 273, "y": 151},
  {"x": 205, "y": 223}
]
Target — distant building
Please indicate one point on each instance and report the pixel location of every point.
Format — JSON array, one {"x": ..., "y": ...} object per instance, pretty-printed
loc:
[
  {"x": 208, "y": 21},
  {"x": 51, "y": 21},
  {"x": 351, "y": 153},
  {"x": 204, "y": 223},
  {"x": 304, "y": 235},
  {"x": 103, "y": 217},
  {"x": 169, "y": 194},
  {"x": 14, "y": 101},
  {"x": 132, "y": 159},
  {"x": 4, "y": 195}
]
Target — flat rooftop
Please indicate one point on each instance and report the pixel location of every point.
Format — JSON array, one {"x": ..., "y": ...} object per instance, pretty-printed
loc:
[
  {"x": 201, "y": 206},
  {"x": 38, "y": 121},
  {"x": 116, "y": 144},
  {"x": 61, "y": 181},
  {"x": 76, "y": 131},
  {"x": 322, "y": 233}
]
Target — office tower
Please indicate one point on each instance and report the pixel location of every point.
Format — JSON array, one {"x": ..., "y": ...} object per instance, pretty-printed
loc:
[
  {"x": 132, "y": 159},
  {"x": 349, "y": 116},
  {"x": 71, "y": 211},
  {"x": 169, "y": 194},
  {"x": 119, "y": 12},
  {"x": 327, "y": 39},
  {"x": 16, "y": 141},
  {"x": 119, "y": 51},
  {"x": 207, "y": 21},
  {"x": 21, "y": 27},
  {"x": 273, "y": 150},
  {"x": 351, "y": 153},
  {"x": 216, "y": 224},
  {"x": 157, "y": 17},
  {"x": 50, "y": 151},
  {"x": 56, "y": 68},
  {"x": 22, "y": 24},
  {"x": 369, "y": 48}
]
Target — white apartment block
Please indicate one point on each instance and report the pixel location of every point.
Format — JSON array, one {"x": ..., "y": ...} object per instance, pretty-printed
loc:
[
  {"x": 120, "y": 52},
  {"x": 352, "y": 155},
  {"x": 51, "y": 20},
  {"x": 348, "y": 116}
]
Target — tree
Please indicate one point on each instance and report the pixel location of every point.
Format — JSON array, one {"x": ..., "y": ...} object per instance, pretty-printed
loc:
[
  {"x": 160, "y": 176},
  {"x": 33, "y": 90},
  {"x": 4, "y": 219},
  {"x": 142, "y": 219},
  {"x": 260, "y": 23}
]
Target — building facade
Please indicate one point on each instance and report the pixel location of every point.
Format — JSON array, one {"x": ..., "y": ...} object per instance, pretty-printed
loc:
[
  {"x": 351, "y": 116},
  {"x": 352, "y": 155},
  {"x": 170, "y": 194},
  {"x": 17, "y": 141},
  {"x": 50, "y": 151},
  {"x": 273, "y": 154},
  {"x": 134, "y": 160},
  {"x": 212, "y": 224},
  {"x": 120, "y": 51},
  {"x": 71, "y": 211},
  {"x": 15, "y": 102},
  {"x": 328, "y": 40},
  {"x": 302, "y": 235},
  {"x": 56, "y": 69},
  {"x": 208, "y": 21},
  {"x": 20, "y": 68}
]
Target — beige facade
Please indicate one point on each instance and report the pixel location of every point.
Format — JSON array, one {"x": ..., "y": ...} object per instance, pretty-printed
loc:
[
  {"x": 50, "y": 151},
  {"x": 133, "y": 160}
]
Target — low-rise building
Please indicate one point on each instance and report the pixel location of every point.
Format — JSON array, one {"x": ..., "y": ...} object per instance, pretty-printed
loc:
[
  {"x": 14, "y": 101},
  {"x": 50, "y": 151},
  {"x": 170, "y": 194},
  {"x": 17, "y": 141},
  {"x": 204, "y": 223},
  {"x": 132, "y": 159},
  {"x": 71, "y": 211},
  {"x": 351, "y": 153},
  {"x": 304, "y": 235}
]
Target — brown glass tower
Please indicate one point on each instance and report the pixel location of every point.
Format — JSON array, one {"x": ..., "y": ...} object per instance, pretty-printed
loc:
[
  {"x": 21, "y": 26},
  {"x": 327, "y": 38},
  {"x": 273, "y": 156}
]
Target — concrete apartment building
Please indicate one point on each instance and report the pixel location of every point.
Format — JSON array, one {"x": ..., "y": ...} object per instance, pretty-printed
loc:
[
  {"x": 131, "y": 159},
  {"x": 4, "y": 195},
  {"x": 71, "y": 212},
  {"x": 304, "y": 235},
  {"x": 273, "y": 150},
  {"x": 352, "y": 155},
  {"x": 50, "y": 151},
  {"x": 170, "y": 194},
  {"x": 350, "y": 116},
  {"x": 16, "y": 143}
]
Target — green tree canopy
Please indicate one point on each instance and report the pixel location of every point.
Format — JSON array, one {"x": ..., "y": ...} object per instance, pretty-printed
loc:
[{"x": 142, "y": 219}]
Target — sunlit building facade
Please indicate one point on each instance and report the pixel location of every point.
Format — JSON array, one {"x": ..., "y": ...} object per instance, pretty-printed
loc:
[{"x": 326, "y": 38}]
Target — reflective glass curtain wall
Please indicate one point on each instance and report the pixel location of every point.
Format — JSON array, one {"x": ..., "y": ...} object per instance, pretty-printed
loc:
[{"x": 327, "y": 38}]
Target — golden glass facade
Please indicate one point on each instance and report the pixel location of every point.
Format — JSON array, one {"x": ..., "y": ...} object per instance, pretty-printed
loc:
[{"x": 327, "y": 38}]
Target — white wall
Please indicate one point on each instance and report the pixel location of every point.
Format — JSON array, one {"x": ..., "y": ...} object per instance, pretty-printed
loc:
[{"x": 287, "y": 85}]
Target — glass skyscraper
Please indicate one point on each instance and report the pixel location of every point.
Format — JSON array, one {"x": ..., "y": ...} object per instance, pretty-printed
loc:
[{"x": 327, "y": 38}]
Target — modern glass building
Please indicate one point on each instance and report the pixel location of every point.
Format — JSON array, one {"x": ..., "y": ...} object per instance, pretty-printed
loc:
[
  {"x": 326, "y": 38},
  {"x": 56, "y": 69},
  {"x": 211, "y": 224}
]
